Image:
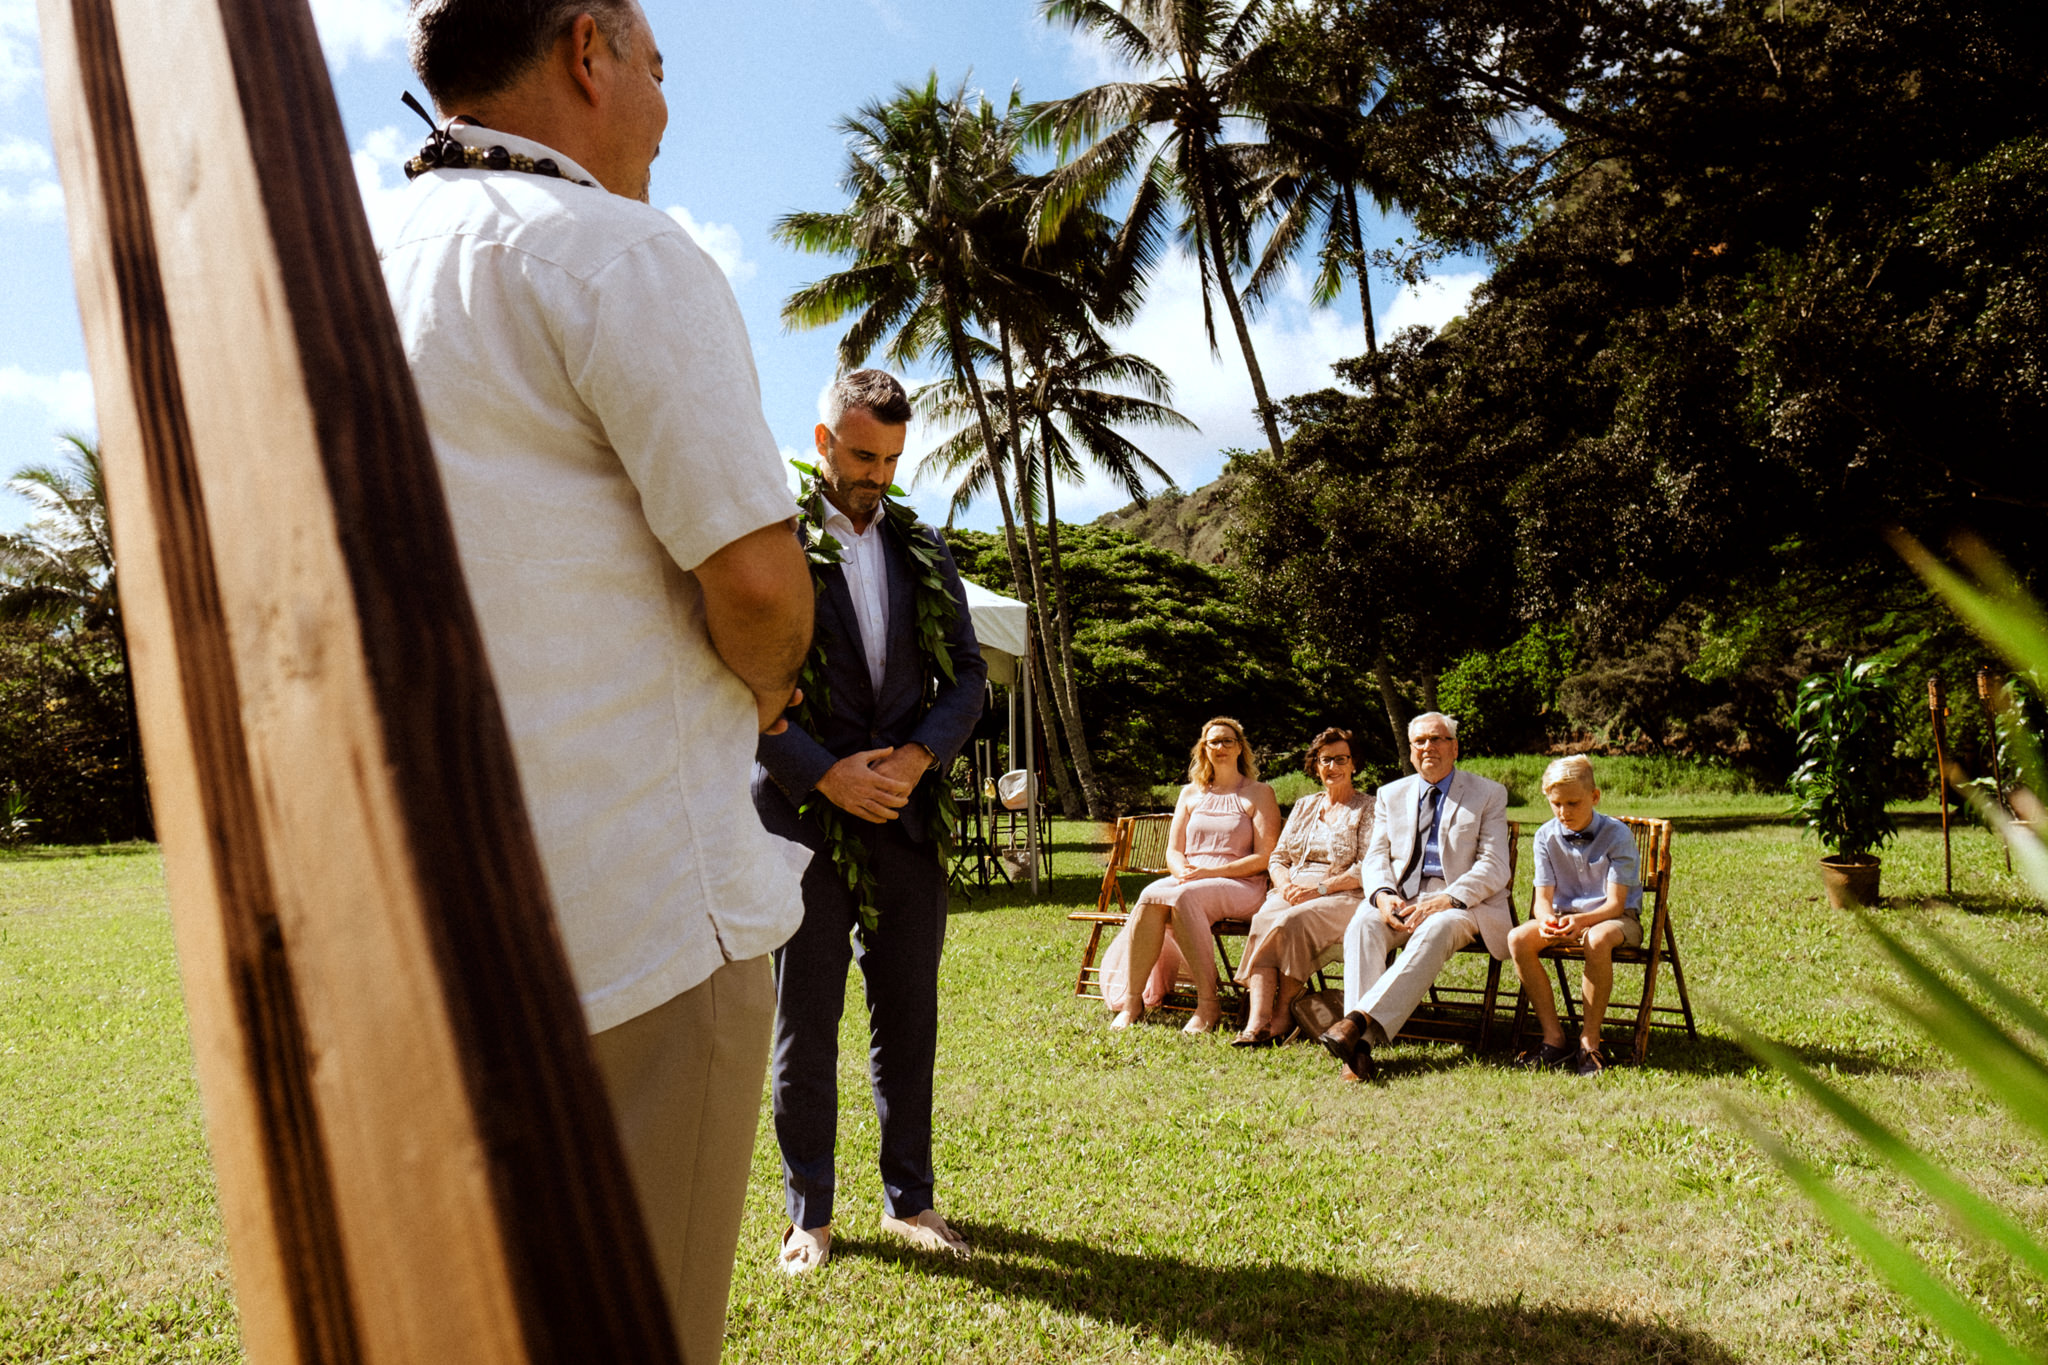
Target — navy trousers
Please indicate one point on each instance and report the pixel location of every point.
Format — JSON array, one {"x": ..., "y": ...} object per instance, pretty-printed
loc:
[{"x": 900, "y": 969}]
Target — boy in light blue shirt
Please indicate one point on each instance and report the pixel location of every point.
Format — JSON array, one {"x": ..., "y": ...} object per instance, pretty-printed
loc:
[{"x": 1589, "y": 892}]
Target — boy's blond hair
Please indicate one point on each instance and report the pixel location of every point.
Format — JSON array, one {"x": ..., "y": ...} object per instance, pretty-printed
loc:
[{"x": 1574, "y": 771}]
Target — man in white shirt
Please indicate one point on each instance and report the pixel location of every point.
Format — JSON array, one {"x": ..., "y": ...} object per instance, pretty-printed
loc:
[{"x": 626, "y": 537}]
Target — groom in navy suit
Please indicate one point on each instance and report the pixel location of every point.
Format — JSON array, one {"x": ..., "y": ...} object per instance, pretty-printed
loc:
[{"x": 893, "y": 725}]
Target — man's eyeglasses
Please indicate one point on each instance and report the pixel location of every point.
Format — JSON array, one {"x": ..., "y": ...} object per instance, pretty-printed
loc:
[{"x": 1424, "y": 741}]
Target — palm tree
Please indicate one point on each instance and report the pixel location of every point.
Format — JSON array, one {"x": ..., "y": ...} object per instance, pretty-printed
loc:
[
  {"x": 939, "y": 229},
  {"x": 58, "y": 573},
  {"x": 1064, "y": 410},
  {"x": 1322, "y": 99},
  {"x": 1167, "y": 131}
]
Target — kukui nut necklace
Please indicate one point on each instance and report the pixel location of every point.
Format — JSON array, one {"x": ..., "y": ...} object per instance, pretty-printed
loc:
[
  {"x": 443, "y": 152},
  {"x": 935, "y": 611}
]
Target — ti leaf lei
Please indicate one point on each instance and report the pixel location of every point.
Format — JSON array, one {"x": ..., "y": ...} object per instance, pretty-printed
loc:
[{"x": 936, "y": 610}]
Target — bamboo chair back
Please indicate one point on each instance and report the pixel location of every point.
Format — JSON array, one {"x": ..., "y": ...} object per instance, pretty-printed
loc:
[{"x": 1138, "y": 848}]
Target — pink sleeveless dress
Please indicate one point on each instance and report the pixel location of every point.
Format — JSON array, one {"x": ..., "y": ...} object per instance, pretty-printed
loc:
[{"x": 1219, "y": 831}]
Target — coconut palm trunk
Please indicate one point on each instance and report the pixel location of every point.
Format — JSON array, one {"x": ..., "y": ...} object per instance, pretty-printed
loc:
[
  {"x": 1077, "y": 735},
  {"x": 965, "y": 370},
  {"x": 1205, "y": 194},
  {"x": 1357, "y": 229},
  {"x": 1051, "y": 687}
]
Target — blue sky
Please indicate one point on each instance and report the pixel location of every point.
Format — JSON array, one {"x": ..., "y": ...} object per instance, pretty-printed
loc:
[{"x": 754, "y": 93}]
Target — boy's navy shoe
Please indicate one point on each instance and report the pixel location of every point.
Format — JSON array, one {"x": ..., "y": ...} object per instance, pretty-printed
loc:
[
  {"x": 1548, "y": 1058},
  {"x": 1589, "y": 1063}
]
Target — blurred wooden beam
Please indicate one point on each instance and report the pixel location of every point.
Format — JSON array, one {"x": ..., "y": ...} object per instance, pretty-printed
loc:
[{"x": 415, "y": 1154}]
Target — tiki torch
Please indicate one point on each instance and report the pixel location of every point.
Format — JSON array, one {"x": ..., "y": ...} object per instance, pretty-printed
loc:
[{"x": 1938, "y": 709}]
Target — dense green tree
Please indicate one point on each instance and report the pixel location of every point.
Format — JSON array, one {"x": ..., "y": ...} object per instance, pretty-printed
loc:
[
  {"x": 1160, "y": 645},
  {"x": 1779, "y": 286},
  {"x": 68, "y": 742}
]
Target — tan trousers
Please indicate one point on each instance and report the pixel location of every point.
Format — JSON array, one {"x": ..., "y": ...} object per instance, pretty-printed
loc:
[{"x": 685, "y": 1086}]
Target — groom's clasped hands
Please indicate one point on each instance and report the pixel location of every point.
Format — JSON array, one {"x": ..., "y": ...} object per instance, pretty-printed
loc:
[{"x": 874, "y": 784}]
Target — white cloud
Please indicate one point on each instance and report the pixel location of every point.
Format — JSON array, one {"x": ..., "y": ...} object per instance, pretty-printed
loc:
[
  {"x": 23, "y": 156},
  {"x": 359, "y": 28},
  {"x": 1435, "y": 302},
  {"x": 41, "y": 202},
  {"x": 63, "y": 401},
  {"x": 891, "y": 19},
  {"x": 20, "y": 46},
  {"x": 378, "y": 154},
  {"x": 721, "y": 241}
]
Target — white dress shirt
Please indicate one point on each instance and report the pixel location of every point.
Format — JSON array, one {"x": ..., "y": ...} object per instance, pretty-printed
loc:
[
  {"x": 596, "y": 420},
  {"x": 867, "y": 581}
]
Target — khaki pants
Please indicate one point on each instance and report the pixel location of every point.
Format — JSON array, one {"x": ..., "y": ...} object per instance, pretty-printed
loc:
[{"x": 685, "y": 1087}]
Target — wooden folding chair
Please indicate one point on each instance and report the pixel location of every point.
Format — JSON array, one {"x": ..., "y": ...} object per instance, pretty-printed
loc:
[
  {"x": 1139, "y": 848},
  {"x": 1660, "y": 945}
]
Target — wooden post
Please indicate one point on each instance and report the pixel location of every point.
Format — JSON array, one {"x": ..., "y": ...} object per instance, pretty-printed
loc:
[
  {"x": 415, "y": 1154},
  {"x": 1938, "y": 708},
  {"x": 1991, "y": 698}
]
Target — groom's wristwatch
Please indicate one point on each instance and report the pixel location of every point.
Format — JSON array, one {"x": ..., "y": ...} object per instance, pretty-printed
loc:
[{"x": 1457, "y": 904}]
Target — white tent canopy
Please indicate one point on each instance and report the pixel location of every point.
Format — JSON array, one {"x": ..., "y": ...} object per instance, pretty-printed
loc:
[{"x": 1000, "y": 623}]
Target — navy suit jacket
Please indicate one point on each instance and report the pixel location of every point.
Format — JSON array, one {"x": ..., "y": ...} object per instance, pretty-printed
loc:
[{"x": 787, "y": 766}]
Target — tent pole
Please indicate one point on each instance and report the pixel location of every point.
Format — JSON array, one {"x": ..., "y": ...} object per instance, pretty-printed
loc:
[{"x": 1030, "y": 766}]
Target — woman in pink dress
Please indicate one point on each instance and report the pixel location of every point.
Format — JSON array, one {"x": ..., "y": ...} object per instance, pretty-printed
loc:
[{"x": 1224, "y": 827}]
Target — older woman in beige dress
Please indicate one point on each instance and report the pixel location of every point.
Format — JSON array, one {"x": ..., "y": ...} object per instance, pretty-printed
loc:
[{"x": 1316, "y": 889}]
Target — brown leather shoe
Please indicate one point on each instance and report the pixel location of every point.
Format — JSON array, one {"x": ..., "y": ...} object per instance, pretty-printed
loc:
[
  {"x": 1342, "y": 1038},
  {"x": 1346, "y": 1041}
]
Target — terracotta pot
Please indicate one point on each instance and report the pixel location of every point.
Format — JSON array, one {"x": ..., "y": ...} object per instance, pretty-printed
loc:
[{"x": 1850, "y": 878}]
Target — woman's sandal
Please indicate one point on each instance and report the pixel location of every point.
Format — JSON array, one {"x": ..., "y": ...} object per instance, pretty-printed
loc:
[{"x": 1255, "y": 1038}]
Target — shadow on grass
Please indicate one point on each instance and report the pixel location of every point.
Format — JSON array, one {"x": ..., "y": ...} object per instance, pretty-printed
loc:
[
  {"x": 1276, "y": 1313},
  {"x": 1063, "y": 889},
  {"x": 1706, "y": 1058},
  {"x": 1985, "y": 903}
]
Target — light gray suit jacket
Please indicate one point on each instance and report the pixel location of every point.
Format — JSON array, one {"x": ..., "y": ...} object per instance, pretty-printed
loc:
[{"x": 1472, "y": 841}]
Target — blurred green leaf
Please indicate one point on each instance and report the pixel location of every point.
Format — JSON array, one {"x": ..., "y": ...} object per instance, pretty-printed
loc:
[
  {"x": 2011, "y": 1073},
  {"x": 1900, "y": 1269},
  {"x": 1995, "y": 606},
  {"x": 1971, "y": 1209}
]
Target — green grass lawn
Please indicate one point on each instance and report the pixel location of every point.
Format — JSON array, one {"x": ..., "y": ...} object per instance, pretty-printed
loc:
[{"x": 1148, "y": 1196}]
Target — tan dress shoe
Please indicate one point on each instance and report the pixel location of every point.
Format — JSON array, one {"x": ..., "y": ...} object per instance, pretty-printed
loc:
[
  {"x": 804, "y": 1249},
  {"x": 928, "y": 1232}
]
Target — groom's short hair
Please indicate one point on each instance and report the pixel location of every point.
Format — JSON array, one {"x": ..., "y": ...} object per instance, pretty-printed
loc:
[
  {"x": 875, "y": 392},
  {"x": 466, "y": 50}
]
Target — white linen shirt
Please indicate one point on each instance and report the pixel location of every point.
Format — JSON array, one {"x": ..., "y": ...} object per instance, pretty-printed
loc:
[
  {"x": 867, "y": 582},
  {"x": 596, "y": 419}
]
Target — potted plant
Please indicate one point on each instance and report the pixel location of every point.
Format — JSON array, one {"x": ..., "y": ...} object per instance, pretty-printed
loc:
[{"x": 1847, "y": 721}]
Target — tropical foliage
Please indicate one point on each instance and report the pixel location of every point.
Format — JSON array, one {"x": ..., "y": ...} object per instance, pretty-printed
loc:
[
  {"x": 1848, "y": 735},
  {"x": 70, "y": 759},
  {"x": 1995, "y": 1033}
]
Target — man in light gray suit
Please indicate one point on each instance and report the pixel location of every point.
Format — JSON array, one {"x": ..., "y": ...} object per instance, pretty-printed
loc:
[{"x": 1438, "y": 858}]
